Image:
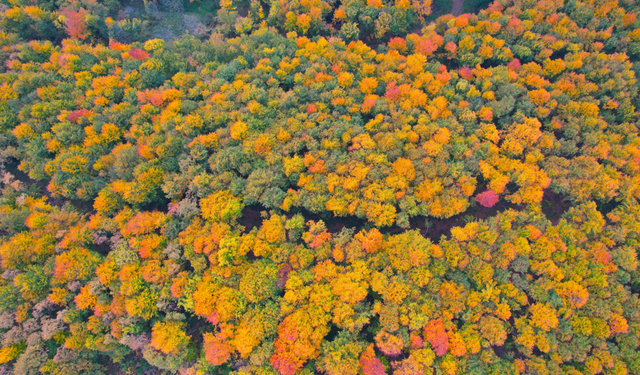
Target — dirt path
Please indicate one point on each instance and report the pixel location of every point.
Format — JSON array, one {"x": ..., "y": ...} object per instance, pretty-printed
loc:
[{"x": 457, "y": 7}]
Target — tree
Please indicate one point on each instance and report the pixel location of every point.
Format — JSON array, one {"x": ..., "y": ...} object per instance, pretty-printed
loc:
[
  {"x": 389, "y": 344},
  {"x": 221, "y": 206},
  {"x": 219, "y": 304},
  {"x": 217, "y": 348},
  {"x": 76, "y": 25},
  {"x": 487, "y": 199},
  {"x": 369, "y": 364},
  {"x": 543, "y": 316},
  {"x": 340, "y": 356},
  {"x": 259, "y": 281},
  {"x": 298, "y": 340},
  {"x": 76, "y": 264},
  {"x": 436, "y": 335},
  {"x": 492, "y": 329},
  {"x": 169, "y": 337},
  {"x": 23, "y": 249}
]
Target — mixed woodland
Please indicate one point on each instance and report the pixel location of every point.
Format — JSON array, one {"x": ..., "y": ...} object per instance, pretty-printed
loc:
[{"x": 320, "y": 187}]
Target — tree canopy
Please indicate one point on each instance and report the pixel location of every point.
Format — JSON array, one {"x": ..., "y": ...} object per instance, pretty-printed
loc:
[{"x": 321, "y": 187}]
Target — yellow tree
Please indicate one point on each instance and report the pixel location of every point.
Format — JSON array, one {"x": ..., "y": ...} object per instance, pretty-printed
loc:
[{"x": 169, "y": 337}]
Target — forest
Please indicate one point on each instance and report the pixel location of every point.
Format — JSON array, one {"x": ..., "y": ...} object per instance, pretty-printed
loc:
[{"x": 355, "y": 187}]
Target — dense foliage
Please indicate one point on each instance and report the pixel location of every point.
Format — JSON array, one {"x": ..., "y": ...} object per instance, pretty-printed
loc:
[{"x": 261, "y": 202}]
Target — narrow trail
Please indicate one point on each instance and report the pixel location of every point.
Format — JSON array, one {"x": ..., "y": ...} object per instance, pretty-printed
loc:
[{"x": 457, "y": 7}]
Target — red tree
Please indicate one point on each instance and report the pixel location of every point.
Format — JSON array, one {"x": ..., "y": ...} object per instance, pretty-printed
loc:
[
  {"x": 487, "y": 199},
  {"x": 75, "y": 116},
  {"x": 369, "y": 364},
  {"x": 436, "y": 335},
  {"x": 389, "y": 344},
  {"x": 76, "y": 27},
  {"x": 217, "y": 348},
  {"x": 138, "y": 54},
  {"x": 466, "y": 73},
  {"x": 514, "y": 65}
]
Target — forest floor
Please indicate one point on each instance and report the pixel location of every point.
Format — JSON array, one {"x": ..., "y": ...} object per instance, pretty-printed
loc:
[
  {"x": 457, "y": 7},
  {"x": 198, "y": 18},
  {"x": 171, "y": 19},
  {"x": 553, "y": 206}
]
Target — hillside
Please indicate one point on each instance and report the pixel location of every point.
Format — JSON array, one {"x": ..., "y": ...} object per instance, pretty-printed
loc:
[{"x": 318, "y": 187}]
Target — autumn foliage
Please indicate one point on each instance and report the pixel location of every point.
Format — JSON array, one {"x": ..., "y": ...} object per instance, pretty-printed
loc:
[
  {"x": 305, "y": 189},
  {"x": 487, "y": 199}
]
